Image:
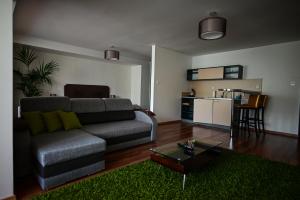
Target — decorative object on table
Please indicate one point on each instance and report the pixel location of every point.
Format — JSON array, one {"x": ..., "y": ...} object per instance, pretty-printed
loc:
[
  {"x": 188, "y": 147},
  {"x": 111, "y": 54},
  {"x": 212, "y": 27},
  {"x": 33, "y": 78}
]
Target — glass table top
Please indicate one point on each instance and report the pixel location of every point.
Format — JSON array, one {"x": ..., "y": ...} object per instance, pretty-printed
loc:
[{"x": 176, "y": 152}]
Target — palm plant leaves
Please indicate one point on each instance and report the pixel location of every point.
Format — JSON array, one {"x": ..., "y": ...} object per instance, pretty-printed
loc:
[
  {"x": 26, "y": 56},
  {"x": 44, "y": 71},
  {"x": 18, "y": 73},
  {"x": 31, "y": 82}
]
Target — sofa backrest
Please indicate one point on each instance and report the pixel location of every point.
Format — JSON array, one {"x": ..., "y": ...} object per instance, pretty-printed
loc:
[
  {"x": 45, "y": 104},
  {"x": 95, "y": 110},
  {"x": 89, "y": 110},
  {"x": 119, "y": 109}
]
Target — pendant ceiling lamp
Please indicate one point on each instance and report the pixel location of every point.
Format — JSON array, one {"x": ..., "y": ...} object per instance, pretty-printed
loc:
[
  {"x": 212, "y": 27},
  {"x": 111, "y": 54}
]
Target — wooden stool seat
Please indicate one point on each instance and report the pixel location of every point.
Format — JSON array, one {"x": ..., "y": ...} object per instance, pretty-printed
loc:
[
  {"x": 257, "y": 104},
  {"x": 247, "y": 121}
]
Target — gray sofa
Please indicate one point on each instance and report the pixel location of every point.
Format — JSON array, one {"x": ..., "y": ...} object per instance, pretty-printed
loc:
[{"x": 108, "y": 125}]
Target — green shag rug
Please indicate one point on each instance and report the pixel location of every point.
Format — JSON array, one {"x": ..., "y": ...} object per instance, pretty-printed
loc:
[{"x": 230, "y": 176}]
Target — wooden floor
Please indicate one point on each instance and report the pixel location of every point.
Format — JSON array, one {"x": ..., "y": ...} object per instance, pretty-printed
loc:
[{"x": 273, "y": 147}]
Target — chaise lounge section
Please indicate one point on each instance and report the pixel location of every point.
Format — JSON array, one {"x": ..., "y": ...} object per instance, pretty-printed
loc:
[
  {"x": 61, "y": 156},
  {"x": 115, "y": 121}
]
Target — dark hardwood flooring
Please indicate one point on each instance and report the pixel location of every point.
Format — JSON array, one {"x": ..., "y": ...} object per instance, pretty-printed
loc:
[{"x": 272, "y": 147}]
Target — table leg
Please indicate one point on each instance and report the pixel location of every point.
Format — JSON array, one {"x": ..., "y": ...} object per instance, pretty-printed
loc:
[{"x": 183, "y": 181}]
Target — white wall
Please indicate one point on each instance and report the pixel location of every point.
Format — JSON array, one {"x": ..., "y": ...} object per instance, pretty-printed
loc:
[
  {"x": 123, "y": 80},
  {"x": 169, "y": 80},
  {"x": 126, "y": 58},
  {"x": 277, "y": 65},
  {"x": 146, "y": 84},
  {"x": 6, "y": 80},
  {"x": 136, "y": 80}
]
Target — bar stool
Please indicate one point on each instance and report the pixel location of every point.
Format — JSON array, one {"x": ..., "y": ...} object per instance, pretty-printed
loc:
[
  {"x": 247, "y": 121},
  {"x": 262, "y": 106}
]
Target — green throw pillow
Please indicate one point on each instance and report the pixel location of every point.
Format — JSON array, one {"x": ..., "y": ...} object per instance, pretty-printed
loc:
[
  {"x": 52, "y": 121},
  {"x": 70, "y": 120},
  {"x": 35, "y": 122}
]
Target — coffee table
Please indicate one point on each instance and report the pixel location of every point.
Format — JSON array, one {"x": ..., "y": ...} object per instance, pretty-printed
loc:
[{"x": 174, "y": 157}]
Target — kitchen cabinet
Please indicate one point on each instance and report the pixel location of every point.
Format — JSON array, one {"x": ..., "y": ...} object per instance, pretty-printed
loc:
[
  {"x": 233, "y": 72},
  {"x": 203, "y": 111},
  {"x": 216, "y": 73},
  {"x": 187, "y": 108},
  {"x": 221, "y": 112},
  {"x": 211, "y": 73},
  {"x": 216, "y": 111}
]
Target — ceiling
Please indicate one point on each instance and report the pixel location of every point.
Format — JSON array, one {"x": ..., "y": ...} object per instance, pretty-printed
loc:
[{"x": 133, "y": 25}]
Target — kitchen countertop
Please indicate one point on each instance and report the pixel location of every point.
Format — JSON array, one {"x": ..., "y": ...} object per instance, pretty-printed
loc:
[{"x": 209, "y": 98}]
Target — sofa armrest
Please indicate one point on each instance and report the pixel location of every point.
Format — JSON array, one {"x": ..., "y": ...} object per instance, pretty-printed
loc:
[
  {"x": 141, "y": 116},
  {"x": 22, "y": 149}
]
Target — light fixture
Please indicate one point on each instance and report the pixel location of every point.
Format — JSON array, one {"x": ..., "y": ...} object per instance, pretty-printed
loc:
[
  {"x": 212, "y": 28},
  {"x": 111, "y": 54}
]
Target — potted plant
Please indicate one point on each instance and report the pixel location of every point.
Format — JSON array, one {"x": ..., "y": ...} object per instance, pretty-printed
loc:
[{"x": 32, "y": 77}]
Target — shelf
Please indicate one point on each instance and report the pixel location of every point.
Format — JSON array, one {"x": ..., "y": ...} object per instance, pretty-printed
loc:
[
  {"x": 231, "y": 72},
  {"x": 187, "y": 111}
]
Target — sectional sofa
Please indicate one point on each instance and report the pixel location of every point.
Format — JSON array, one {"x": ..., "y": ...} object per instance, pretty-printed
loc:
[{"x": 108, "y": 125}]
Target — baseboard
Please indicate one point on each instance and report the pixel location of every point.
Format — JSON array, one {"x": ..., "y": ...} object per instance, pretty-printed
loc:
[
  {"x": 281, "y": 134},
  {"x": 10, "y": 198},
  {"x": 169, "y": 122},
  {"x": 278, "y": 133}
]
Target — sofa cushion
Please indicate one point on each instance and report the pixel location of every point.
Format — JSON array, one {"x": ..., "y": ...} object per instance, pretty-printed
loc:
[
  {"x": 119, "y": 109},
  {"x": 45, "y": 104},
  {"x": 35, "y": 122},
  {"x": 92, "y": 117},
  {"x": 89, "y": 110},
  {"x": 118, "y": 129},
  {"x": 118, "y": 104},
  {"x": 61, "y": 146},
  {"x": 69, "y": 120},
  {"x": 87, "y": 105},
  {"x": 119, "y": 115},
  {"x": 52, "y": 121}
]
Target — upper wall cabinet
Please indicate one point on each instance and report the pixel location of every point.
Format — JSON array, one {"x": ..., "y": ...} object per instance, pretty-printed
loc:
[
  {"x": 215, "y": 73},
  {"x": 211, "y": 73}
]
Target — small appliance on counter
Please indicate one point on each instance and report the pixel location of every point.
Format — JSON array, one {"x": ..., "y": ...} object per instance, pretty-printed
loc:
[{"x": 189, "y": 94}]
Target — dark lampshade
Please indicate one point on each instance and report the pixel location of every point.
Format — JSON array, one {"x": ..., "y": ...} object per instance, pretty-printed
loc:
[
  {"x": 111, "y": 54},
  {"x": 212, "y": 28}
]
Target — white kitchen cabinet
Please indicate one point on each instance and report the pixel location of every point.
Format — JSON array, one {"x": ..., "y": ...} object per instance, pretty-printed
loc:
[
  {"x": 203, "y": 111},
  {"x": 213, "y": 111},
  {"x": 221, "y": 112}
]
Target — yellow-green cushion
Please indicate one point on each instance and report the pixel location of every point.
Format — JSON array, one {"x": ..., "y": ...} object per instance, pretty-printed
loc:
[
  {"x": 70, "y": 120},
  {"x": 52, "y": 121},
  {"x": 35, "y": 122}
]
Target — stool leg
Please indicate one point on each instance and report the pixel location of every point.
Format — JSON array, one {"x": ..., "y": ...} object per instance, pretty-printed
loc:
[
  {"x": 248, "y": 121},
  {"x": 255, "y": 122},
  {"x": 258, "y": 120},
  {"x": 263, "y": 120},
  {"x": 242, "y": 120},
  {"x": 239, "y": 111}
]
